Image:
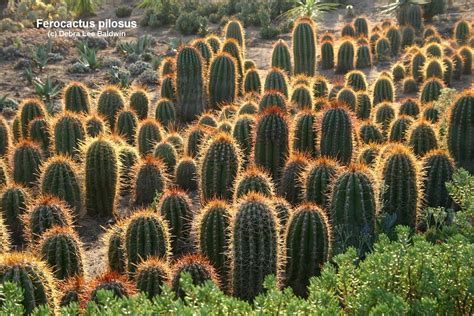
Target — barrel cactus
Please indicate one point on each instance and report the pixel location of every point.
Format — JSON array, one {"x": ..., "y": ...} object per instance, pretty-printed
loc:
[
  {"x": 30, "y": 109},
  {"x": 14, "y": 200},
  {"x": 431, "y": 90},
  {"x": 243, "y": 134},
  {"x": 149, "y": 133},
  {"x": 363, "y": 57},
  {"x": 281, "y": 57},
  {"x": 151, "y": 275},
  {"x": 109, "y": 104},
  {"x": 252, "y": 83},
  {"x": 76, "y": 98},
  {"x": 304, "y": 133},
  {"x": 302, "y": 97},
  {"x": 277, "y": 80},
  {"x": 383, "y": 90},
  {"x": 290, "y": 186},
  {"x": 422, "y": 138},
  {"x": 26, "y": 161},
  {"x": 363, "y": 107},
  {"x": 462, "y": 32},
  {"x": 253, "y": 179},
  {"x": 115, "y": 249},
  {"x": 327, "y": 55},
  {"x": 40, "y": 133},
  {"x": 345, "y": 57},
  {"x": 271, "y": 99},
  {"x": 223, "y": 77},
  {"x": 361, "y": 26},
  {"x": 186, "y": 176},
  {"x": 150, "y": 180},
  {"x": 95, "y": 126},
  {"x": 399, "y": 129},
  {"x": 214, "y": 42},
  {"x": 370, "y": 133},
  {"x": 304, "y": 46},
  {"x": 126, "y": 126},
  {"x": 140, "y": 102},
  {"x": 5, "y": 137},
  {"x": 69, "y": 133}
]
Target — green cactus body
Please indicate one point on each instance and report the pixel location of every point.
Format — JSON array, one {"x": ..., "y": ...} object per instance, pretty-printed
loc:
[
  {"x": 234, "y": 29},
  {"x": 401, "y": 194},
  {"x": 302, "y": 97},
  {"x": 434, "y": 50},
  {"x": 361, "y": 27},
  {"x": 431, "y": 114},
  {"x": 373, "y": 40},
  {"x": 417, "y": 63},
  {"x": 249, "y": 64},
  {"x": 356, "y": 80},
  {"x": 128, "y": 157},
  {"x": 368, "y": 155},
  {"x": 281, "y": 57},
  {"x": 348, "y": 31},
  {"x": 395, "y": 38},
  {"x": 26, "y": 161},
  {"x": 168, "y": 88},
  {"x": 95, "y": 126},
  {"x": 14, "y": 200},
  {"x": 304, "y": 133},
  {"x": 408, "y": 36},
  {"x": 409, "y": 85},
  {"x": 345, "y": 57},
  {"x": 290, "y": 186},
  {"x": 363, "y": 106},
  {"x": 253, "y": 180},
  {"x": 399, "y": 129},
  {"x": 336, "y": 134},
  {"x": 69, "y": 133},
  {"x": 117, "y": 284},
  {"x": 243, "y": 134},
  {"x": 126, "y": 126},
  {"x": 363, "y": 57},
  {"x": 116, "y": 257},
  {"x": 150, "y": 180},
  {"x": 139, "y": 102},
  {"x": 252, "y": 83},
  {"x": 466, "y": 54},
  {"x": 4, "y": 175},
  {"x": 272, "y": 99},
  {"x": 149, "y": 133},
  {"x": 167, "y": 154},
  {"x": 190, "y": 85},
  {"x": 448, "y": 71},
  {"x": 177, "y": 141},
  {"x": 422, "y": 138},
  {"x": 276, "y": 80},
  {"x": 76, "y": 98},
  {"x": 383, "y": 90},
  {"x": 146, "y": 235},
  {"x": 414, "y": 17},
  {"x": 304, "y": 47},
  {"x": 308, "y": 246},
  {"x": 151, "y": 275},
  {"x": 398, "y": 72},
  {"x": 186, "y": 174},
  {"x": 60, "y": 178},
  {"x": 167, "y": 67},
  {"x": 460, "y": 131},
  {"x": 214, "y": 42},
  {"x": 196, "y": 136},
  {"x": 254, "y": 249},
  {"x": 431, "y": 90},
  {"x": 320, "y": 104},
  {"x": 320, "y": 87},
  {"x": 439, "y": 169},
  {"x": 462, "y": 32},
  {"x": 29, "y": 110},
  {"x": 384, "y": 115},
  {"x": 409, "y": 107},
  {"x": 434, "y": 68},
  {"x": 208, "y": 119},
  {"x": 370, "y": 133},
  {"x": 110, "y": 103},
  {"x": 40, "y": 133},
  {"x": 223, "y": 78},
  {"x": 219, "y": 166},
  {"x": 327, "y": 55},
  {"x": 348, "y": 97},
  {"x": 233, "y": 48},
  {"x": 271, "y": 145},
  {"x": 227, "y": 113},
  {"x": 61, "y": 249},
  {"x": 5, "y": 140},
  {"x": 101, "y": 177},
  {"x": 71, "y": 291},
  {"x": 204, "y": 49}
]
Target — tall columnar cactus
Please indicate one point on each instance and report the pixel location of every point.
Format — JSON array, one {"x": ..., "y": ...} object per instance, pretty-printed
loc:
[
  {"x": 165, "y": 112},
  {"x": 370, "y": 133},
  {"x": 467, "y": 55},
  {"x": 356, "y": 80},
  {"x": 34, "y": 279},
  {"x": 422, "y": 138},
  {"x": 383, "y": 50},
  {"x": 254, "y": 249},
  {"x": 150, "y": 180},
  {"x": 61, "y": 250},
  {"x": 384, "y": 115},
  {"x": 44, "y": 213},
  {"x": 212, "y": 230},
  {"x": 204, "y": 49},
  {"x": 196, "y": 137},
  {"x": 431, "y": 90},
  {"x": 327, "y": 55},
  {"x": 13, "y": 201},
  {"x": 223, "y": 79},
  {"x": 302, "y": 97},
  {"x": 95, "y": 126},
  {"x": 414, "y": 17},
  {"x": 168, "y": 88},
  {"x": 186, "y": 177},
  {"x": 348, "y": 97},
  {"x": 233, "y": 48},
  {"x": 243, "y": 133},
  {"x": 460, "y": 129},
  {"x": 151, "y": 275},
  {"x": 462, "y": 32},
  {"x": 198, "y": 267},
  {"x": 345, "y": 57},
  {"x": 361, "y": 27},
  {"x": 139, "y": 102},
  {"x": 126, "y": 126},
  {"x": 146, "y": 235},
  {"x": 383, "y": 90},
  {"x": 363, "y": 105},
  {"x": 115, "y": 248},
  {"x": 281, "y": 57},
  {"x": 277, "y": 80},
  {"x": 439, "y": 169},
  {"x": 363, "y": 57},
  {"x": 290, "y": 186},
  {"x": 304, "y": 133},
  {"x": 234, "y": 29},
  {"x": 69, "y": 133},
  {"x": 29, "y": 110},
  {"x": 219, "y": 166},
  {"x": 401, "y": 194},
  {"x": 40, "y": 133},
  {"x": 167, "y": 67},
  {"x": 255, "y": 180},
  {"x": 26, "y": 161},
  {"x": 395, "y": 38},
  {"x": 308, "y": 246},
  {"x": 60, "y": 178},
  {"x": 149, "y": 133},
  {"x": 417, "y": 63},
  {"x": 190, "y": 84},
  {"x": 5, "y": 140},
  {"x": 272, "y": 99},
  {"x": 409, "y": 107},
  {"x": 399, "y": 129},
  {"x": 109, "y": 104},
  {"x": 336, "y": 130},
  {"x": 271, "y": 145},
  {"x": 317, "y": 179},
  {"x": 167, "y": 154},
  {"x": 320, "y": 87},
  {"x": 214, "y": 42},
  {"x": 76, "y": 98},
  {"x": 175, "y": 208},
  {"x": 101, "y": 177},
  {"x": 252, "y": 83},
  {"x": 353, "y": 208},
  {"x": 304, "y": 47},
  {"x": 408, "y": 36}
]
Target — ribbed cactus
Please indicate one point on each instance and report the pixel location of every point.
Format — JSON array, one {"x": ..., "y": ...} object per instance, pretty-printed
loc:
[
  {"x": 417, "y": 63},
  {"x": 29, "y": 110},
  {"x": 272, "y": 99},
  {"x": 434, "y": 50},
  {"x": 223, "y": 77},
  {"x": 408, "y": 36},
  {"x": 448, "y": 71},
  {"x": 383, "y": 90},
  {"x": 400, "y": 179},
  {"x": 467, "y": 55},
  {"x": 101, "y": 177},
  {"x": 149, "y": 133},
  {"x": 60, "y": 178},
  {"x": 71, "y": 291},
  {"x": 167, "y": 154},
  {"x": 151, "y": 275},
  {"x": 304, "y": 133},
  {"x": 356, "y": 80},
  {"x": 44, "y": 213},
  {"x": 146, "y": 235},
  {"x": 431, "y": 90},
  {"x": 398, "y": 72},
  {"x": 16, "y": 128},
  {"x": 373, "y": 40},
  {"x": 460, "y": 129},
  {"x": 109, "y": 104},
  {"x": 304, "y": 47},
  {"x": 348, "y": 31},
  {"x": 439, "y": 169},
  {"x": 361, "y": 27},
  {"x": 95, "y": 126},
  {"x": 26, "y": 161},
  {"x": 69, "y": 133},
  {"x": 433, "y": 67},
  {"x": 252, "y": 83},
  {"x": 320, "y": 103},
  {"x": 177, "y": 141},
  {"x": 363, "y": 105},
  {"x": 363, "y": 57},
  {"x": 290, "y": 186},
  {"x": 13, "y": 204},
  {"x": 422, "y": 138},
  {"x": 414, "y": 17},
  {"x": 327, "y": 55},
  {"x": 383, "y": 50},
  {"x": 61, "y": 250},
  {"x": 232, "y": 47},
  {"x": 113, "y": 282},
  {"x": 214, "y": 42},
  {"x": 281, "y": 57},
  {"x": 462, "y": 32},
  {"x": 276, "y": 80},
  {"x": 243, "y": 134},
  {"x": 353, "y": 208},
  {"x": 204, "y": 49},
  {"x": 32, "y": 277},
  {"x": 220, "y": 163},
  {"x": 208, "y": 119},
  {"x": 198, "y": 267},
  {"x": 384, "y": 115},
  {"x": 395, "y": 38},
  {"x": 168, "y": 88},
  {"x": 399, "y": 129},
  {"x": 409, "y": 107},
  {"x": 271, "y": 145},
  {"x": 283, "y": 210},
  {"x": 302, "y": 97},
  {"x": 40, "y": 133},
  {"x": 348, "y": 97},
  {"x": 253, "y": 180},
  {"x": 370, "y": 133},
  {"x": 190, "y": 84},
  {"x": 234, "y": 29},
  {"x": 195, "y": 138},
  {"x": 345, "y": 57},
  {"x": 175, "y": 208},
  {"x": 320, "y": 87},
  {"x": 308, "y": 246},
  {"x": 254, "y": 249},
  {"x": 225, "y": 127},
  {"x": 227, "y": 112},
  {"x": 368, "y": 154},
  {"x": 249, "y": 64},
  {"x": 186, "y": 176},
  {"x": 150, "y": 180},
  {"x": 212, "y": 230},
  {"x": 76, "y": 98},
  {"x": 167, "y": 67},
  {"x": 126, "y": 126},
  {"x": 336, "y": 132},
  {"x": 5, "y": 140},
  {"x": 4, "y": 174},
  {"x": 409, "y": 85},
  {"x": 431, "y": 113},
  {"x": 317, "y": 179},
  {"x": 115, "y": 249}
]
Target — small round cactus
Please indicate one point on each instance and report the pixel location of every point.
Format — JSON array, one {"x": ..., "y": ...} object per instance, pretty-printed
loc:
[
  {"x": 95, "y": 126},
  {"x": 290, "y": 187},
  {"x": 151, "y": 275},
  {"x": 277, "y": 80},
  {"x": 253, "y": 180},
  {"x": 422, "y": 138},
  {"x": 165, "y": 112},
  {"x": 252, "y": 83},
  {"x": 40, "y": 133},
  {"x": 399, "y": 129},
  {"x": 345, "y": 57},
  {"x": 126, "y": 126},
  {"x": 167, "y": 154}
]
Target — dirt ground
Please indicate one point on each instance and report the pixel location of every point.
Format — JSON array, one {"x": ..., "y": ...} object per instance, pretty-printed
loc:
[{"x": 259, "y": 50}]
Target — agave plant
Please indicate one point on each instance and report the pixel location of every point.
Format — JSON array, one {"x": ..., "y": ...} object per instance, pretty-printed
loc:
[
  {"x": 135, "y": 48},
  {"x": 40, "y": 55},
  {"x": 393, "y": 7},
  {"x": 47, "y": 91},
  {"x": 88, "y": 56},
  {"x": 309, "y": 8},
  {"x": 83, "y": 8}
]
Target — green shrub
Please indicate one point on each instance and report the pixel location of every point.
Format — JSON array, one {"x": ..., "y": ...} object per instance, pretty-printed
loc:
[
  {"x": 123, "y": 11},
  {"x": 191, "y": 23}
]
